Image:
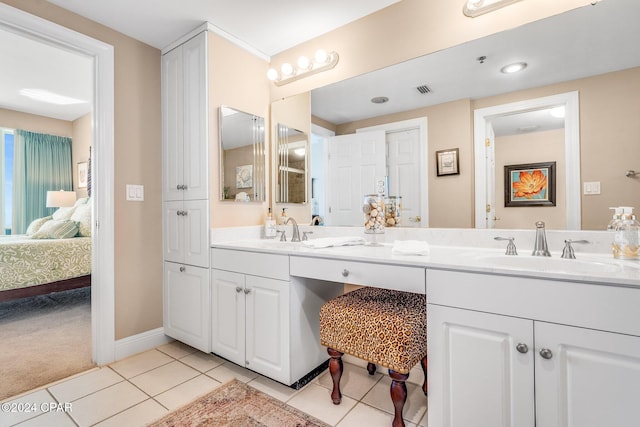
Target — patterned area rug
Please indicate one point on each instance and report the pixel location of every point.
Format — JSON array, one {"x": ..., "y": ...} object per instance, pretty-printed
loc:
[{"x": 236, "y": 404}]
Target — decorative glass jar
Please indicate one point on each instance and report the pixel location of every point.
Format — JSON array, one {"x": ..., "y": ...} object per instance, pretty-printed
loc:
[
  {"x": 373, "y": 208},
  {"x": 392, "y": 207}
]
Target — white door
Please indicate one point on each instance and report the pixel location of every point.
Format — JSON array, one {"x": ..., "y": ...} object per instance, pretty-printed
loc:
[
  {"x": 172, "y": 124},
  {"x": 477, "y": 375},
  {"x": 196, "y": 157},
  {"x": 589, "y": 379},
  {"x": 267, "y": 327},
  {"x": 196, "y": 232},
  {"x": 186, "y": 305},
  {"x": 403, "y": 162},
  {"x": 355, "y": 162},
  {"x": 173, "y": 235},
  {"x": 228, "y": 315}
]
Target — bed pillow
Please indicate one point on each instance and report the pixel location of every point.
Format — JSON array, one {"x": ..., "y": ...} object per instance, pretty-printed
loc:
[
  {"x": 63, "y": 213},
  {"x": 82, "y": 215},
  {"x": 57, "y": 229},
  {"x": 81, "y": 201},
  {"x": 36, "y": 224}
]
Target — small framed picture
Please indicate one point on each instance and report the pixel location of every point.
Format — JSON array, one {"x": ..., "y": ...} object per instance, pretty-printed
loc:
[
  {"x": 530, "y": 184},
  {"x": 244, "y": 176},
  {"x": 447, "y": 162},
  {"x": 82, "y": 175}
]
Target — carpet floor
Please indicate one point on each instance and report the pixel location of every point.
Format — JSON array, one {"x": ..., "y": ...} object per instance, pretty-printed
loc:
[
  {"x": 44, "y": 339},
  {"x": 235, "y": 404}
]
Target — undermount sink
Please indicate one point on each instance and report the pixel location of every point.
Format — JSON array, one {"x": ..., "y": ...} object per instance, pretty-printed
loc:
[{"x": 555, "y": 265}]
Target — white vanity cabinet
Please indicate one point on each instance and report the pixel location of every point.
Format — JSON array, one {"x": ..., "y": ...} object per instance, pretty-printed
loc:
[
  {"x": 185, "y": 194},
  {"x": 262, "y": 318},
  {"x": 515, "y": 351}
]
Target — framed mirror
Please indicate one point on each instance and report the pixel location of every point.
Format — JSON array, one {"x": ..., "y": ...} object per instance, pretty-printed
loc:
[
  {"x": 242, "y": 156},
  {"x": 291, "y": 165}
]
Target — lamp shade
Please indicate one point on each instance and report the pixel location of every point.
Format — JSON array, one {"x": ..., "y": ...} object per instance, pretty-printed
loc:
[{"x": 59, "y": 199}]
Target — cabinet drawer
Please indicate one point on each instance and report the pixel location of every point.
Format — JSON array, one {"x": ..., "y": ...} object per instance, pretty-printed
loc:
[
  {"x": 253, "y": 263},
  {"x": 595, "y": 306},
  {"x": 409, "y": 279}
]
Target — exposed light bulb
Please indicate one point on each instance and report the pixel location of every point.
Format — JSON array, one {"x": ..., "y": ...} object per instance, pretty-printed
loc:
[
  {"x": 287, "y": 69},
  {"x": 304, "y": 63},
  {"x": 321, "y": 56},
  {"x": 272, "y": 74}
]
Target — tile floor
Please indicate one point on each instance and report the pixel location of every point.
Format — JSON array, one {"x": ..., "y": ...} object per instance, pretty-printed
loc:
[{"x": 136, "y": 390}]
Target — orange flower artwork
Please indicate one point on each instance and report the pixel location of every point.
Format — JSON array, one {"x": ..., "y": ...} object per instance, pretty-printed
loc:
[{"x": 531, "y": 184}]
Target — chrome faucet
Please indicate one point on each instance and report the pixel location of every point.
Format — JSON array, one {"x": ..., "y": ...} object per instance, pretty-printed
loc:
[
  {"x": 540, "y": 248},
  {"x": 568, "y": 252},
  {"x": 296, "y": 231}
]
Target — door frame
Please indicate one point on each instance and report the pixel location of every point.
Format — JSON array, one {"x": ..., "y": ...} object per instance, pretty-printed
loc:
[
  {"x": 102, "y": 254},
  {"x": 570, "y": 100}
]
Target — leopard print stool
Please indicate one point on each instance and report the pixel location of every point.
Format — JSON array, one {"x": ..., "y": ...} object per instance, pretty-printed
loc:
[{"x": 383, "y": 327}]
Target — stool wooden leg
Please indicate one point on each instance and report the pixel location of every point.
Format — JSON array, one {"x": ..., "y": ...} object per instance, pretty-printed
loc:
[
  {"x": 398, "y": 396},
  {"x": 371, "y": 368},
  {"x": 335, "y": 369},
  {"x": 423, "y": 363}
]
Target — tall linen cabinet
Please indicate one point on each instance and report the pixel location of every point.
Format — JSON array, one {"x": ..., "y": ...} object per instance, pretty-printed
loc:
[{"x": 185, "y": 191}]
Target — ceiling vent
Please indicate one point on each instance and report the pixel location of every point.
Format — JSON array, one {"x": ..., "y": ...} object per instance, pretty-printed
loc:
[{"x": 423, "y": 89}]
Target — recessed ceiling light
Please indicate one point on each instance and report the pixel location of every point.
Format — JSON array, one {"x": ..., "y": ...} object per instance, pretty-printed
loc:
[
  {"x": 514, "y": 68},
  {"x": 379, "y": 99},
  {"x": 50, "y": 97}
]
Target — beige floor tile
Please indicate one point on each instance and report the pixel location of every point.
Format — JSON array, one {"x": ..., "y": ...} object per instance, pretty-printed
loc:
[
  {"x": 164, "y": 377},
  {"x": 203, "y": 362},
  {"x": 83, "y": 385},
  {"x": 24, "y": 408},
  {"x": 177, "y": 349},
  {"x": 140, "y": 363},
  {"x": 139, "y": 415},
  {"x": 228, "y": 371},
  {"x": 186, "y": 392},
  {"x": 315, "y": 400},
  {"x": 365, "y": 415},
  {"x": 355, "y": 381},
  {"x": 57, "y": 419},
  {"x": 105, "y": 403},
  {"x": 273, "y": 388},
  {"x": 380, "y": 398}
]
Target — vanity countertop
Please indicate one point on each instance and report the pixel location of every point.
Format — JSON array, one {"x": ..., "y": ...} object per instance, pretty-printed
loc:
[{"x": 588, "y": 267}]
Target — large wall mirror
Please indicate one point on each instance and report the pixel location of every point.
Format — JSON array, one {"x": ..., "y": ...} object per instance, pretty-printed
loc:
[
  {"x": 242, "y": 156},
  {"x": 291, "y": 165},
  {"x": 591, "y": 51}
]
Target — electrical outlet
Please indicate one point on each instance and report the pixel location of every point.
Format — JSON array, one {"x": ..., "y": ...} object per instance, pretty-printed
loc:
[
  {"x": 591, "y": 188},
  {"x": 135, "y": 193}
]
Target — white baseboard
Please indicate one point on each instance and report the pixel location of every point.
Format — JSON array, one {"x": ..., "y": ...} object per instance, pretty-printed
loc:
[{"x": 140, "y": 342}]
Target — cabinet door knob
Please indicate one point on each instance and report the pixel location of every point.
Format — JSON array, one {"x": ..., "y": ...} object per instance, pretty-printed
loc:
[
  {"x": 247, "y": 290},
  {"x": 182, "y": 269},
  {"x": 345, "y": 272},
  {"x": 238, "y": 289},
  {"x": 522, "y": 348},
  {"x": 546, "y": 353}
]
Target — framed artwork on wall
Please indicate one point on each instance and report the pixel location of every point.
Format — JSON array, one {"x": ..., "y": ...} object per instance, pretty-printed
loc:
[
  {"x": 530, "y": 184},
  {"x": 83, "y": 174},
  {"x": 244, "y": 176},
  {"x": 447, "y": 162}
]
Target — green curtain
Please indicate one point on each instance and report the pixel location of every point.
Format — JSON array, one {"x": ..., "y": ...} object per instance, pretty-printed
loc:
[{"x": 41, "y": 163}]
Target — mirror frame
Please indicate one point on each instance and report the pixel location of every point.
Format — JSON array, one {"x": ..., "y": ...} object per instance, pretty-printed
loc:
[
  {"x": 259, "y": 156},
  {"x": 280, "y": 151},
  {"x": 570, "y": 100}
]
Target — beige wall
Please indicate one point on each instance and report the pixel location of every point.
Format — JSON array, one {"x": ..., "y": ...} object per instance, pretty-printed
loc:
[
  {"x": 532, "y": 147},
  {"x": 237, "y": 80},
  {"x": 82, "y": 141},
  {"x": 17, "y": 120},
  {"x": 137, "y": 157}
]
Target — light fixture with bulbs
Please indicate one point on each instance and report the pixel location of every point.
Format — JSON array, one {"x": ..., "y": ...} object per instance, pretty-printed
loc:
[
  {"x": 322, "y": 61},
  {"x": 473, "y": 8}
]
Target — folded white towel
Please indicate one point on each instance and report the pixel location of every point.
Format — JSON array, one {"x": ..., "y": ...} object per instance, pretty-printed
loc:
[
  {"x": 410, "y": 247},
  {"x": 327, "y": 242}
]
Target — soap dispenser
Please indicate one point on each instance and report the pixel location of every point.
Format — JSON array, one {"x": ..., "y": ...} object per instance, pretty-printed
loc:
[
  {"x": 626, "y": 241},
  {"x": 617, "y": 216},
  {"x": 270, "y": 226},
  {"x": 284, "y": 216}
]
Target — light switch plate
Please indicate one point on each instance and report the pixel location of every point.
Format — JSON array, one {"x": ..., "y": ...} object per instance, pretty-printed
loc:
[
  {"x": 591, "y": 188},
  {"x": 135, "y": 193}
]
